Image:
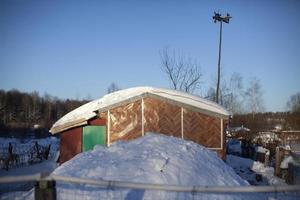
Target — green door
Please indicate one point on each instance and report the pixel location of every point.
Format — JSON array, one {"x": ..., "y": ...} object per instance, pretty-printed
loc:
[{"x": 92, "y": 135}]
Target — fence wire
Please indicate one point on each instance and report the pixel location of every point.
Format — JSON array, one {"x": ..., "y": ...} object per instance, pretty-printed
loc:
[
  {"x": 26, "y": 154},
  {"x": 68, "y": 188}
]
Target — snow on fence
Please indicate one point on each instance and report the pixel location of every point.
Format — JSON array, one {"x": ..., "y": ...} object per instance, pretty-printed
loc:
[{"x": 59, "y": 187}]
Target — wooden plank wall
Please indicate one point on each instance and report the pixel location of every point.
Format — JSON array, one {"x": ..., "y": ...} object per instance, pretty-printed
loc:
[
  {"x": 162, "y": 117},
  {"x": 202, "y": 129},
  {"x": 70, "y": 144},
  {"x": 97, "y": 121},
  {"x": 126, "y": 122},
  {"x": 222, "y": 153}
]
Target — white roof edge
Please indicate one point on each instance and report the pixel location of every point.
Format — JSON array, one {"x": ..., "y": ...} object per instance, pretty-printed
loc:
[{"x": 87, "y": 111}]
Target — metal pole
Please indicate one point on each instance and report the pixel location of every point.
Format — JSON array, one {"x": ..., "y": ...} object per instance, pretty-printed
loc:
[{"x": 219, "y": 62}]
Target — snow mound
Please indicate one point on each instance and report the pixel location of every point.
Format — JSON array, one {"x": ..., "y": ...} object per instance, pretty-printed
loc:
[
  {"x": 266, "y": 138},
  {"x": 155, "y": 159},
  {"x": 285, "y": 163}
]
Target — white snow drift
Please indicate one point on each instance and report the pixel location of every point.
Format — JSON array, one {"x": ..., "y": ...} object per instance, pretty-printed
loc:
[{"x": 154, "y": 158}]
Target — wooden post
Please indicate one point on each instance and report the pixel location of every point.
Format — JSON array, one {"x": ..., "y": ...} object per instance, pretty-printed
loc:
[
  {"x": 182, "y": 136},
  {"x": 277, "y": 162},
  {"x": 45, "y": 190},
  {"x": 279, "y": 156},
  {"x": 143, "y": 117},
  {"x": 108, "y": 128},
  {"x": 222, "y": 133}
]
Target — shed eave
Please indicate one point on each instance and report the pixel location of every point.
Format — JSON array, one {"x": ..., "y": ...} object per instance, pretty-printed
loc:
[
  {"x": 223, "y": 115},
  {"x": 67, "y": 126},
  {"x": 178, "y": 98}
]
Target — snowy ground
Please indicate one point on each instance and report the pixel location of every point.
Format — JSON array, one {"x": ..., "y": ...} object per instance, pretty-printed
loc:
[
  {"x": 24, "y": 149},
  {"x": 155, "y": 158},
  {"x": 45, "y": 167},
  {"x": 250, "y": 170}
]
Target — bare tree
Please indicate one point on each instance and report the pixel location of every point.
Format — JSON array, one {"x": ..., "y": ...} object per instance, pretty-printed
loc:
[
  {"x": 294, "y": 103},
  {"x": 182, "y": 72},
  {"x": 231, "y": 93},
  {"x": 254, "y": 96},
  {"x": 235, "y": 94},
  {"x": 112, "y": 88}
]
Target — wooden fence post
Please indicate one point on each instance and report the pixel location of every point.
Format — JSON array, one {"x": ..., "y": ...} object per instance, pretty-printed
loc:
[
  {"x": 45, "y": 190},
  {"x": 277, "y": 162}
]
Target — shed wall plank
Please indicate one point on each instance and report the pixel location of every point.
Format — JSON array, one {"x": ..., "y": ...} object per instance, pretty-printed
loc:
[
  {"x": 162, "y": 117},
  {"x": 126, "y": 122},
  {"x": 202, "y": 129},
  {"x": 70, "y": 144}
]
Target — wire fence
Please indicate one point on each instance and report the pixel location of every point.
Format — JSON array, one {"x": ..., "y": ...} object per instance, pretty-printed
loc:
[
  {"x": 58, "y": 187},
  {"x": 26, "y": 154}
]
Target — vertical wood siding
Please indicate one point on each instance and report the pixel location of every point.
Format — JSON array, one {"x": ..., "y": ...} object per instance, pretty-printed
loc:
[{"x": 70, "y": 144}]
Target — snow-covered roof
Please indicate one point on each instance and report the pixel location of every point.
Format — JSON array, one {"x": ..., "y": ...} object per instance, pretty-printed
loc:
[
  {"x": 262, "y": 150},
  {"x": 238, "y": 129},
  {"x": 81, "y": 115}
]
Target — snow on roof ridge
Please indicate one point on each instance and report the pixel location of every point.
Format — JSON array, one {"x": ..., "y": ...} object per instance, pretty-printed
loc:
[
  {"x": 87, "y": 111},
  {"x": 195, "y": 98}
]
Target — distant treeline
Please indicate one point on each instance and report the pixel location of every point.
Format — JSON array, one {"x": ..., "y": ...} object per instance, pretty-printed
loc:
[
  {"x": 23, "y": 111},
  {"x": 268, "y": 121}
]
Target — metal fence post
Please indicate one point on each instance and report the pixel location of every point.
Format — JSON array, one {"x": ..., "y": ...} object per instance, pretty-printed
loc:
[{"x": 45, "y": 190}]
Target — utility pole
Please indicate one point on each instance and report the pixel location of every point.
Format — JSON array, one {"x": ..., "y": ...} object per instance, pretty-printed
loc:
[{"x": 218, "y": 18}]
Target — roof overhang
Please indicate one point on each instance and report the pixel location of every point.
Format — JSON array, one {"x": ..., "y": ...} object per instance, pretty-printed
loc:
[{"x": 84, "y": 120}]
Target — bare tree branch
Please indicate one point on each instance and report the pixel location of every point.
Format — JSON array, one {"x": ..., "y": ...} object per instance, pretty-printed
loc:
[
  {"x": 112, "y": 88},
  {"x": 183, "y": 74}
]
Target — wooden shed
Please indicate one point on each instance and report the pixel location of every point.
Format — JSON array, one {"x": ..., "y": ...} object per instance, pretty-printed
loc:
[{"x": 130, "y": 113}]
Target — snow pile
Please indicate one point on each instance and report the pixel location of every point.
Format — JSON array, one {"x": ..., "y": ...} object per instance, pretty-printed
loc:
[
  {"x": 266, "y": 138},
  {"x": 261, "y": 149},
  {"x": 248, "y": 170},
  {"x": 238, "y": 129},
  {"x": 285, "y": 163},
  {"x": 154, "y": 158}
]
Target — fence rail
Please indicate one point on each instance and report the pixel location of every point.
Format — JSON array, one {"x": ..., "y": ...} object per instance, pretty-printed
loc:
[
  {"x": 177, "y": 188},
  {"x": 41, "y": 179}
]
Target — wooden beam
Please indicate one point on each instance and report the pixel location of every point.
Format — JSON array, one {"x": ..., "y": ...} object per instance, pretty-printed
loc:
[
  {"x": 182, "y": 136},
  {"x": 222, "y": 133},
  {"x": 143, "y": 117},
  {"x": 108, "y": 128}
]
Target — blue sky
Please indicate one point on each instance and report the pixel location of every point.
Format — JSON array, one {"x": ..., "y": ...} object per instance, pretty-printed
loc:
[{"x": 75, "y": 49}]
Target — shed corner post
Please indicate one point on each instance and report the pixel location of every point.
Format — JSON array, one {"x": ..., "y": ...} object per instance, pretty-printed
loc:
[
  {"x": 222, "y": 134},
  {"x": 108, "y": 128},
  {"x": 182, "y": 136},
  {"x": 45, "y": 189},
  {"x": 143, "y": 118}
]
